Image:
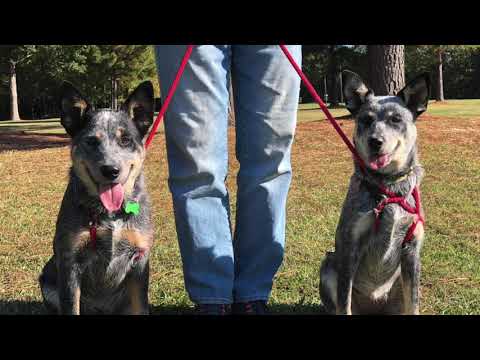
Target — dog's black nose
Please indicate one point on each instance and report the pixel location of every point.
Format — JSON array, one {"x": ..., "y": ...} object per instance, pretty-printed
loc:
[
  {"x": 375, "y": 144},
  {"x": 110, "y": 172}
]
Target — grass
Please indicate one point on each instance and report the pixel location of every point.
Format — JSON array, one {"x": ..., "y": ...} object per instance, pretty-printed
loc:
[
  {"x": 32, "y": 185},
  {"x": 466, "y": 108}
]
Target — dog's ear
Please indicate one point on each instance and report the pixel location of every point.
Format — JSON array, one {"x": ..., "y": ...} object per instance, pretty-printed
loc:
[
  {"x": 416, "y": 94},
  {"x": 73, "y": 108},
  {"x": 355, "y": 91},
  {"x": 139, "y": 107}
]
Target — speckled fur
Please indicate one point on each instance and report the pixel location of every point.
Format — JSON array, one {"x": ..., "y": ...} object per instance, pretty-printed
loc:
[
  {"x": 374, "y": 272},
  {"x": 110, "y": 278}
]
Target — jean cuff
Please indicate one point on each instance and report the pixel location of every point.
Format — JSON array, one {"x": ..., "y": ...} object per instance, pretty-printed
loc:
[
  {"x": 211, "y": 301},
  {"x": 258, "y": 297}
]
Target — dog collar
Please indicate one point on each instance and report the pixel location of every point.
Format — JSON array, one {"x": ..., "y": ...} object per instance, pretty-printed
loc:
[{"x": 394, "y": 179}]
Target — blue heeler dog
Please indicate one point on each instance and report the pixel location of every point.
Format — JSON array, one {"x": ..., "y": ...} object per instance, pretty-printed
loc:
[
  {"x": 373, "y": 270},
  {"x": 104, "y": 232}
]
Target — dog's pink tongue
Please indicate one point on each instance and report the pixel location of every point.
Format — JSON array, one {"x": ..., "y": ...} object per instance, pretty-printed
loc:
[
  {"x": 379, "y": 162},
  {"x": 111, "y": 196}
]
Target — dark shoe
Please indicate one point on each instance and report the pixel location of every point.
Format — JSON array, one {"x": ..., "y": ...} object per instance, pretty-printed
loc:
[
  {"x": 257, "y": 307},
  {"x": 213, "y": 309}
]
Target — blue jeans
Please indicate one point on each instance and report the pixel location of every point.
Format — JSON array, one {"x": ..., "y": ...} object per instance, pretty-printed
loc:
[{"x": 219, "y": 268}]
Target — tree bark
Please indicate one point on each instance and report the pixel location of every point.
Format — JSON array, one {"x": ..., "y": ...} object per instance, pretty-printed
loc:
[
  {"x": 440, "y": 96},
  {"x": 386, "y": 68},
  {"x": 14, "y": 113}
]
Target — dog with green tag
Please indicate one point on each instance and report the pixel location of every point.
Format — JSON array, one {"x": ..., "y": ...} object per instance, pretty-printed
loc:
[{"x": 100, "y": 262}]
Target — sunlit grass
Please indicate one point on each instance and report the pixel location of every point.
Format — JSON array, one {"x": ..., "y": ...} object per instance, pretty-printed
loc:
[{"x": 32, "y": 185}]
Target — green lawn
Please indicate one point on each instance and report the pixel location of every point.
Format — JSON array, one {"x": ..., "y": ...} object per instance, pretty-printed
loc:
[
  {"x": 47, "y": 126},
  {"x": 456, "y": 108},
  {"x": 32, "y": 185}
]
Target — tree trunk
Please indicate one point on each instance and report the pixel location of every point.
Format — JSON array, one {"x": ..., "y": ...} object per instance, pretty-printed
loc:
[
  {"x": 332, "y": 75},
  {"x": 335, "y": 89},
  {"x": 114, "y": 93},
  {"x": 440, "y": 77},
  {"x": 14, "y": 114},
  {"x": 341, "y": 86},
  {"x": 386, "y": 68},
  {"x": 231, "y": 108}
]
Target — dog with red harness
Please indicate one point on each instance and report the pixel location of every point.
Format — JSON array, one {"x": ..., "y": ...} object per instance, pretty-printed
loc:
[{"x": 375, "y": 268}]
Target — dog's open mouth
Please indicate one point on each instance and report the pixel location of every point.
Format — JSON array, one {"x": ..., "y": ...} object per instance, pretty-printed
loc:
[
  {"x": 379, "y": 161},
  {"x": 111, "y": 195}
]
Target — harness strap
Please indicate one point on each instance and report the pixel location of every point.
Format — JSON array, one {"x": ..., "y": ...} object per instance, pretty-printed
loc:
[
  {"x": 93, "y": 231},
  {"x": 418, "y": 217}
]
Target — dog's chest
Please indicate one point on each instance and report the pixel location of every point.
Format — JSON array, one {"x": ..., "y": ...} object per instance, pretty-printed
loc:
[
  {"x": 380, "y": 250},
  {"x": 112, "y": 239},
  {"x": 116, "y": 251}
]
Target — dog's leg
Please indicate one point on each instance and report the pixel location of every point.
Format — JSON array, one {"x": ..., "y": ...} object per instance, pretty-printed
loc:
[
  {"x": 347, "y": 266},
  {"x": 48, "y": 286},
  {"x": 348, "y": 245},
  {"x": 328, "y": 283},
  {"x": 137, "y": 291},
  {"x": 69, "y": 277},
  {"x": 411, "y": 267}
]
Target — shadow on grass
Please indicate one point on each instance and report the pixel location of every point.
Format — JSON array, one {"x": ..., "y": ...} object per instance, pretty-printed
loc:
[
  {"x": 274, "y": 309},
  {"x": 171, "y": 310},
  {"x": 16, "y": 129},
  {"x": 19, "y": 307},
  {"x": 296, "y": 309},
  {"x": 20, "y": 141},
  {"x": 344, "y": 117}
]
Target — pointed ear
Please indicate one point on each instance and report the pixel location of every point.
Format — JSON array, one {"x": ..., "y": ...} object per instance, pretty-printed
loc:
[
  {"x": 416, "y": 94},
  {"x": 355, "y": 91},
  {"x": 139, "y": 107},
  {"x": 73, "y": 108}
]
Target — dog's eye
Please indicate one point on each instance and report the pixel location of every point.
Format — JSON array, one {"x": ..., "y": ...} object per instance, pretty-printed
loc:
[
  {"x": 125, "y": 140},
  {"x": 367, "y": 119},
  {"x": 396, "y": 119},
  {"x": 92, "y": 141}
]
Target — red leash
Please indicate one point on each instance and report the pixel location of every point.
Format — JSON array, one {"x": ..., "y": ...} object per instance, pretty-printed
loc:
[
  {"x": 324, "y": 108},
  {"x": 171, "y": 91},
  {"x": 391, "y": 196}
]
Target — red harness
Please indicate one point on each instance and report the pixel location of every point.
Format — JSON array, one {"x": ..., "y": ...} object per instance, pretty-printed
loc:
[{"x": 392, "y": 198}]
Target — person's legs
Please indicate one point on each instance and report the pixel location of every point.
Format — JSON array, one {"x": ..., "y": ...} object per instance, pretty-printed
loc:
[
  {"x": 266, "y": 90},
  {"x": 196, "y": 132}
]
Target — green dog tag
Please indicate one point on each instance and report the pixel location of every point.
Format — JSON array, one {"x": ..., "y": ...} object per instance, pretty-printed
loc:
[{"x": 132, "y": 207}]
